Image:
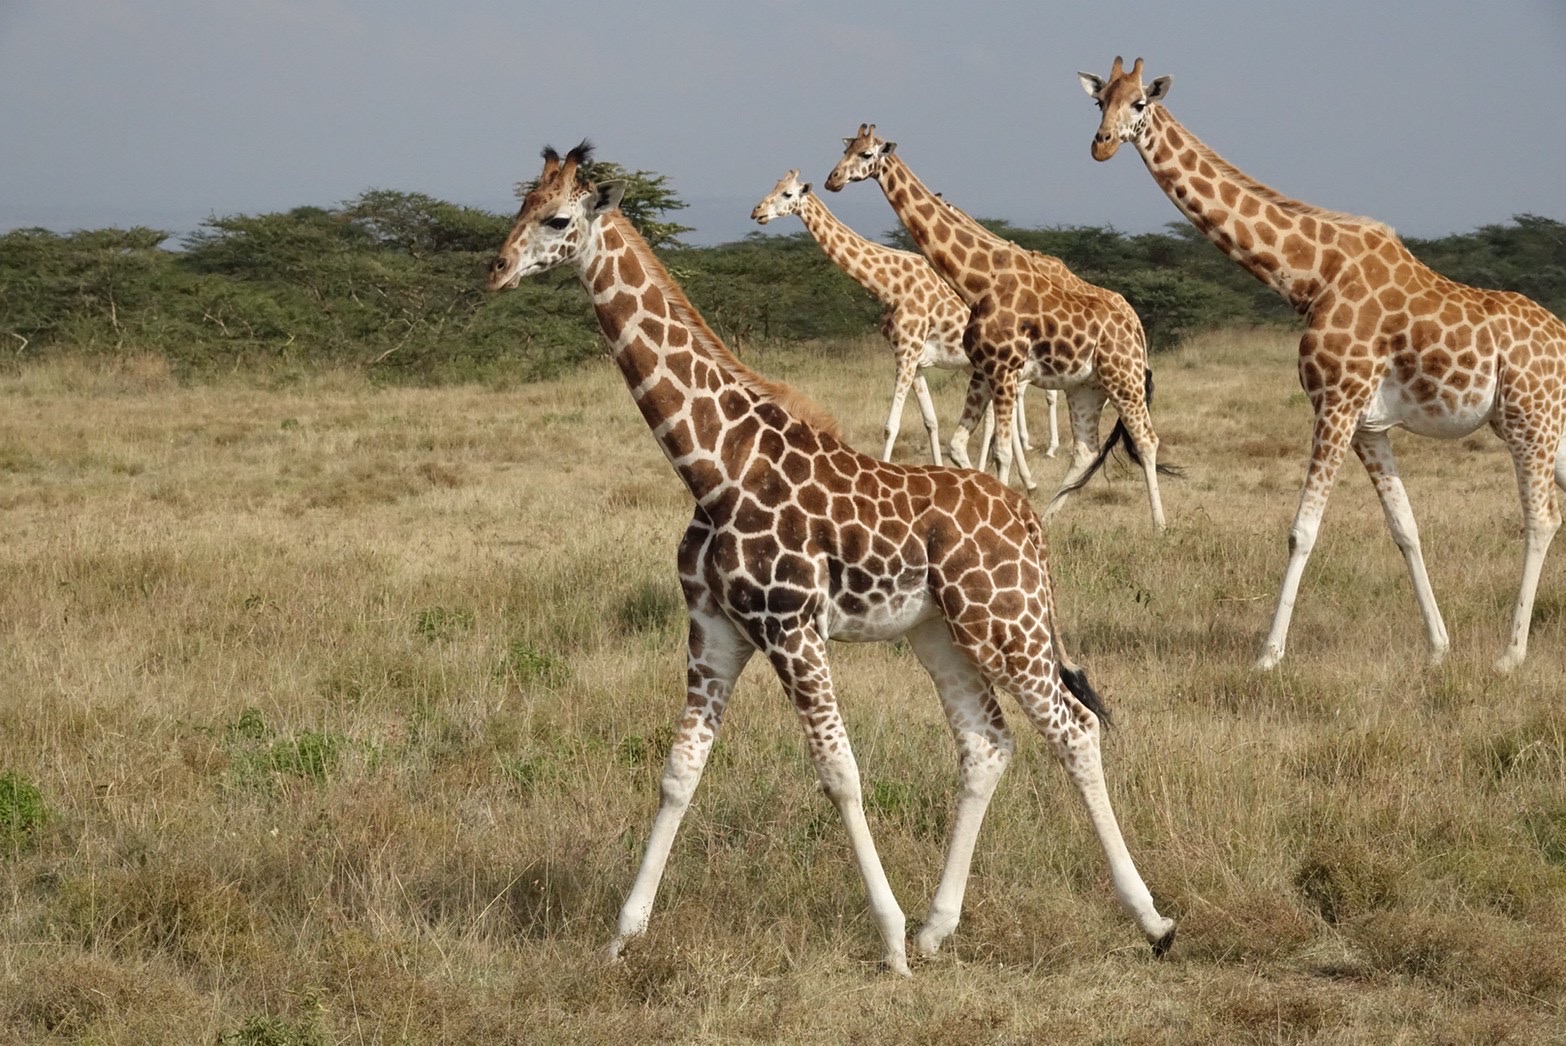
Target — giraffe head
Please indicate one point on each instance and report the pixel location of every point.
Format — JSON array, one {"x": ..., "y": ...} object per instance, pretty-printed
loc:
[
  {"x": 554, "y": 225},
  {"x": 1123, "y": 101},
  {"x": 785, "y": 198},
  {"x": 863, "y": 157}
]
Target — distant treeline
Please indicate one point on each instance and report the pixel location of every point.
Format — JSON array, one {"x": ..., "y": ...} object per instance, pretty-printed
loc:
[{"x": 391, "y": 281}]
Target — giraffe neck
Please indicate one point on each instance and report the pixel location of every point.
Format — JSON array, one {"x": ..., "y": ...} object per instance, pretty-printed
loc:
[
  {"x": 965, "y": 253},
  {"x": 1292, "y": 247},
  {"x": 865, "y": 262},
  {"x": 710, "y": 414}
]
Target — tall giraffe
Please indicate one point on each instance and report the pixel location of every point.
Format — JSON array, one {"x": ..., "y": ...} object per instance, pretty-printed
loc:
[
  {"x": 924, "y": 318},
  {"x": 1032, "y": 319},
  {"x": 1388, "y": 343},
  {"x": 797, "y": 539}
]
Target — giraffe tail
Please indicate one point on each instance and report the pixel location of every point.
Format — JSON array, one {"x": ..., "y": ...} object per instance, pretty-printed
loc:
[
  {"x": 1071, "y": 673},
  {"x": 1077, "y": 682},
  {"x": 1120, "y": 436}
]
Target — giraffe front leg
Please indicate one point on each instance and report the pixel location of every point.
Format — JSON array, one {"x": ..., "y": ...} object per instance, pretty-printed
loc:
[
  {"x": 716, "y": 655},
  {"x": 1022, "y": 418},
  {"x": 932, "y": 424},
  {"x": 987, "y": 439},
  {"x": 1052, "y": 398},
  {"x": 907, "y": 369},
  {"x": 802, "y": 667},
  {"x": 1007, "y": 441},
  {"x": 1329, "y": 441},
  {"x": 984, "y": 748},
  {"x": 974, "y": 405},
  {"x": 1375, "y": 453}
]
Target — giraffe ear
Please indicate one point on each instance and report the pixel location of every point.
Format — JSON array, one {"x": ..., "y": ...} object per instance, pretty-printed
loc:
[
  {"x": 888, "y": 148},
  {"x": 1091, "y": 84},
  {"x": 607, "y": 198},
  {"x": 804, "y": 190},
  {"x": 1159, "y": 88}
]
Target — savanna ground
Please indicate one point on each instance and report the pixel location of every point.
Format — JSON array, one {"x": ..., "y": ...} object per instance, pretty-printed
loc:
[{"x": 334, "y": 713}]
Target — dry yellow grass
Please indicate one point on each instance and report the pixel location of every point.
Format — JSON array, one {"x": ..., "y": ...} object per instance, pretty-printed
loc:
[{"x": 345, "y": 706}]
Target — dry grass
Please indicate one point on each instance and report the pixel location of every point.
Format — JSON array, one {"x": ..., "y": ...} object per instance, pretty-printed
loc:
[{"x": 345, "y": 708}]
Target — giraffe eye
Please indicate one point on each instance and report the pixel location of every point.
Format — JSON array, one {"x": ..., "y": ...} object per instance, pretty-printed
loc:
[
  {"x": 559, "y": 221},
  {"x": 868, "y": 154},
  {"x": 1139, "y": 104}
]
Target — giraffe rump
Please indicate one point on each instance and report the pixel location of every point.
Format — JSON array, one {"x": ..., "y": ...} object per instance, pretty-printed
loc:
[{"x": 1119, "y": 436}]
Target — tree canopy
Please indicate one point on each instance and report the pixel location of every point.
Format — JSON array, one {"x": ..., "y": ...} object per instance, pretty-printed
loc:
[{"x": 391, "y": 280}]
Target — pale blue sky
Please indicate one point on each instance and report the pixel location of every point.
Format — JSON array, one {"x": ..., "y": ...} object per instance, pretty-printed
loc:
[{"x": 1435, "y": 116}]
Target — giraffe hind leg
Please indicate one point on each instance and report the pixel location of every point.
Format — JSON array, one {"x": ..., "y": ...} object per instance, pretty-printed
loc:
[
  {"x": 1063, "y": 711},
  {"x": 984, "y": 747},
  {"x": 1541, "y": 519}
]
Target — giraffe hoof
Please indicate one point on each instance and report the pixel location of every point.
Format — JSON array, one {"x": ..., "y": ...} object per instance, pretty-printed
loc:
[{"x": 1163, "y": 944}]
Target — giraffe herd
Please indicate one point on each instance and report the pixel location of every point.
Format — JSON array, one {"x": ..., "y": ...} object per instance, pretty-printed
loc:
[{"x": 796, "y": 538}]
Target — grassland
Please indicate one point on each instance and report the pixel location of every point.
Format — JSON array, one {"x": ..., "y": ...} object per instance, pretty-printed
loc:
[{"x": 334, "y": 713}]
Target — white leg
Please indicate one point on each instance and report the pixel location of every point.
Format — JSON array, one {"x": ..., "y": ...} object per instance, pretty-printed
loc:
[
  {"x": 975, "y": 403},
  {"x": 807, "y": 678},
  {"x": 1022, "y": 417},
  {"x": 1074, "y": 732},
  {"x": 1084, "y": 405},
  {"x": 717, "y": 653},
  {"x": 1375, "y": 453},
  {"x": 984, "y": 748},
  {"x": 987, "y": 440},
  {"x": 1542, "y": 519},
  {"x": 1328, "y": 444},
  {"x": 1052, "y": 398},
  {"x": 1007, "y": 441},
  {"x": 932, "y": 424},
  {"x": 906, "y": 371}
]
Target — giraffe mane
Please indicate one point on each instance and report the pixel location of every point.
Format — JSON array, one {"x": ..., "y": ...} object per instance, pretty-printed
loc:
[
  {"x": 795, "y": 402},
  {"x": 1267, "y": 192}
]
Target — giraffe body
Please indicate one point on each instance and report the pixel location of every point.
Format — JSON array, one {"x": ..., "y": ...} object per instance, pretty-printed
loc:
[
  {"x": 1388, "y": 343},
  {"x": 924, "y": 318},
  {"x": 797, "y": 539},
  {"x": 1031, "y": 319}
]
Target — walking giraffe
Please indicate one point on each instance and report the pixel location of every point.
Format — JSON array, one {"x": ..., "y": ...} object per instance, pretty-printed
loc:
[
  {"x": 797, "y": 539},
  {"x": 1388, "y": 343},
  {"x": 924, "y": 318},
  {"x": 1032, "y": 319}
]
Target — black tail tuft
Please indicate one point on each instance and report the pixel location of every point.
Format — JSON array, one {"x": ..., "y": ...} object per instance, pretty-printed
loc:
[
  {"x": 1119, "y": 436},
  {"x": 1077, "y": 682}
]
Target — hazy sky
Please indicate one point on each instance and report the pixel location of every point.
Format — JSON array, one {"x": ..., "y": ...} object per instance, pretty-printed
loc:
[{"x": 1435, "y": 116}]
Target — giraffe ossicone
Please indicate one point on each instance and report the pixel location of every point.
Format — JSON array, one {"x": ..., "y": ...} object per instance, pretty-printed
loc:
[
  {"x": 1032, "y": 320},
  {"x": 924, "y": 318},
  {"x": 797, "y": 539},
  {"x": 1388, "y": 343}
]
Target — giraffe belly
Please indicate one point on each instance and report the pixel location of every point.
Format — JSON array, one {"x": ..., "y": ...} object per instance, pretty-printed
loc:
[
  {"x": 1441, "y": 413},
  {"x": 878, "y": 615}
]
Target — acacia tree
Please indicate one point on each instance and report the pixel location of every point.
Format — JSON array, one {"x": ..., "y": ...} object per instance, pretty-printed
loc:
[{"x": 647, "y": 198}]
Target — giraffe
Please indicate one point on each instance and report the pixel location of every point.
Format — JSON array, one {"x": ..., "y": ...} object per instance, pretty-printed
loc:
[
  {"x": 1388, "y": 343},
  {"x": 796, "y": 539},
  {"x": 1032, "y": 319},
  {"x": 924, "y": 318}
]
